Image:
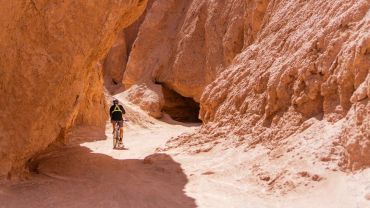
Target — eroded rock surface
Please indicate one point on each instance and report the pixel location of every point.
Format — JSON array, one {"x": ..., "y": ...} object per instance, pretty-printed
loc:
[
  {"x": 114, "y": 64},
  {"x": 185, "y": 44},
  {"x": 304, "y": 62},
  {"x": 48, "y": 52}
]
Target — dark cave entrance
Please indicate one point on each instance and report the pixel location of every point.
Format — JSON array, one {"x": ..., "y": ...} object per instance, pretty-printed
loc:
[{"x": 180, "y": 108}]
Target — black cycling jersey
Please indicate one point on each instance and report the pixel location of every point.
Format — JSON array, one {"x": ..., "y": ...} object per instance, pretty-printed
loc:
[{"x": 116, "y": 112}]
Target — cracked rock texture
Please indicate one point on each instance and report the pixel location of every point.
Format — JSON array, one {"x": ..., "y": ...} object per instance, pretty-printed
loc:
[
  {"x": 302, "y": 63},
  {"x": 49, "y": 80}
]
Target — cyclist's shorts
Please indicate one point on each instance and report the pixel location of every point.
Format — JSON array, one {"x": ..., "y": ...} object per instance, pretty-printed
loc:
[{"x": 120, "y": 123}]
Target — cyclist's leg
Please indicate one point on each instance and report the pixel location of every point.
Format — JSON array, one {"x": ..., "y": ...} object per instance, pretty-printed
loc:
[
  {"x": 113, "y": 126},
  {"x": 121, "y": 132},
  {"x": 120, "y": 129}
]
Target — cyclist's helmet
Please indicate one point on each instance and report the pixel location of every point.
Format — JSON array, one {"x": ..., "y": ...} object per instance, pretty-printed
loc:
[{"x": 115, "y": 101}]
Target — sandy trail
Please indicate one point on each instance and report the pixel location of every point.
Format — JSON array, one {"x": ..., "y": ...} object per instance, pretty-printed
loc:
[
  {"x": 89, "y": 173},
  {"x": 92, "y": 174}
]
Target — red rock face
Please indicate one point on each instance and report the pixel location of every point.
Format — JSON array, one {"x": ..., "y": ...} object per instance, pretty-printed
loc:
[
  {"x": 48, "y": 52},
  {"x": 296, "y": 62},
  {"x": 114, "y": 64},
  {"x": 309, "y": 60},
  {"x": 263, "y": 71},
  {"x": 184, "y": 45}
]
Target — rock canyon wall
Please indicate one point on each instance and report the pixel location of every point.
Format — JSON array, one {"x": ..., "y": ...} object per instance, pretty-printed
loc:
[
  {"x": 261, "y": 70},
  {"x": 48, "y": 77},
  {"x": 305, "y": 62},
  {"x": 114, "y": 63},
  {"x": 182, "y": 45}
]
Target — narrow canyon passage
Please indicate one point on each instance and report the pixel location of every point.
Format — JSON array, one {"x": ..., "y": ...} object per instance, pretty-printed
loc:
[
  {"x": 231, "y": 103},
  {"x": 89, "y": 173}
]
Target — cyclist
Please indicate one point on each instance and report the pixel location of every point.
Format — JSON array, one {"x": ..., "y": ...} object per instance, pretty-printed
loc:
[{"x": 116, "y": 111}]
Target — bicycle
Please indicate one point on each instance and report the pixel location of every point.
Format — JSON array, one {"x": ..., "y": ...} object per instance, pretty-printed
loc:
[{"x": 117, "y": 143}]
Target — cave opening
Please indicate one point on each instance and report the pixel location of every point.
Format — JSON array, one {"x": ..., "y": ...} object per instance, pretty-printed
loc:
[{"x": 180, "y": 108}]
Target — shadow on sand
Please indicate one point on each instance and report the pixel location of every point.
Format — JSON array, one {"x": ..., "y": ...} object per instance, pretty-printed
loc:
[{"x": 76, "y": 177}]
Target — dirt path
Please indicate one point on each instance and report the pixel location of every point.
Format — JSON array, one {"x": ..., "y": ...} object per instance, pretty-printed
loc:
[
  {"x": 92, "y": 174},
  {"x": 89, "y": 173}
]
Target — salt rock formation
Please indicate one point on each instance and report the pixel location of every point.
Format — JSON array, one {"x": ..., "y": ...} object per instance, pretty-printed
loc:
[
  {"x": 48, "y": 78},
  {"x": 150, "y": 99},
  {"x": 306, "y": 62},
  {"x": 114, "y": 64},
  {"x": 184, "y": 45}
]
